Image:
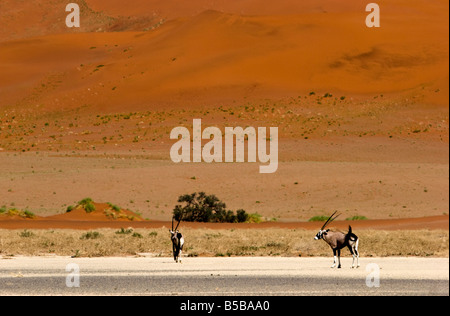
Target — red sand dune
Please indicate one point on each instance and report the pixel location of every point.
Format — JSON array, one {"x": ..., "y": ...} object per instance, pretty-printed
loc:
[
  {"x": 154, "y": 54},
  {"x": 103, "y": 213},
  {"x": 96, "y": 222},
  {"x": 201, "y": 55}
]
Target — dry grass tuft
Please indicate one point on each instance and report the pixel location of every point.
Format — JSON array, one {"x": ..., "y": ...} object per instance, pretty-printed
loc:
[{"x": 210, "y": 243}]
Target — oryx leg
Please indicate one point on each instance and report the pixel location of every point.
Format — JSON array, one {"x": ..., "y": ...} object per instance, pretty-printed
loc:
[
  {"x": 174, "y": 248},
  {"x": 351, "y": 247},
  {"x": 334, "y": 262},
  {"x": 357, "y": 253},
  {"x": 339, "y": 258}
]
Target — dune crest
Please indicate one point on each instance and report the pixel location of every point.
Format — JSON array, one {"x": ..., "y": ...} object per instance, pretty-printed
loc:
[{"x": 220, "y": 57}]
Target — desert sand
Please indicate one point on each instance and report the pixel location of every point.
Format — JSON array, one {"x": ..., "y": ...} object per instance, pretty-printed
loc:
[{"x": 362, "y": 113}]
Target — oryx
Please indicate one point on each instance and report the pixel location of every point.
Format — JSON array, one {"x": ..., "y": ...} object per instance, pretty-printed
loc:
[
  {"x": 177, "y": 241},
  {"x": 339, "y": 240}
]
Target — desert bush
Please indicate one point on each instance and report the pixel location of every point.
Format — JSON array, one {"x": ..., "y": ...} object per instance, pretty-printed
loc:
[
  {"x": 114, "y": 207},
  {"x": 90, "y": 235},
  {"x": 89, "y": 208},
  {"x": 16, "y": 212},
  {"x": 28, "y": 214},
  {"x": 200, "y": 207},
  {"x": 318, "y": 218},
  {"x": 124, "y": 231},
  {"x": 85, "y": 201},
  {"x": 356, "y": 218},
  {"x": 87, "y": 204},
  {"x": 254, "y": 218},
  {"x": 26, "y": 234}
]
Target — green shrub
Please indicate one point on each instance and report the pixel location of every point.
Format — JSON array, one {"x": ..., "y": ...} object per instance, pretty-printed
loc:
[
  {"x": 356, "y": 218},
  {"x": 318, "y": 218},
  {"x": 115, "y": 208},
  {"x": 28, "y": 214},
  {"x": 89, "y": 208},
  {"x": 242, "y": 216},
  {"x": 87, "y": 204},
  {"x": 26, "y": 234},
  {"x": 254, "y": 218},
  {"x": 124, "y": 231},
  {"x": 200, "y": 207},
  {"x": 85, "y": 201},
  {"x": 90, "y": 235}
]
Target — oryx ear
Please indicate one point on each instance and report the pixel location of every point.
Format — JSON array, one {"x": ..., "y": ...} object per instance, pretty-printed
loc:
[{"x": 325, "y": 232}]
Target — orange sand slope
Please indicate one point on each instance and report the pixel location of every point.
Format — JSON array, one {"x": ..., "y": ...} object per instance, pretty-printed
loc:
[
  {"x": 103, "y": 212},
  {"x": 98, "y": 221},
  {"x": 205, "y": 56},
  {"x": 172, "y": 60}
]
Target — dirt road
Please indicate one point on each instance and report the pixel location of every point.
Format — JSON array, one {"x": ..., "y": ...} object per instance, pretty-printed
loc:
[{"x": 222, "y": 276}]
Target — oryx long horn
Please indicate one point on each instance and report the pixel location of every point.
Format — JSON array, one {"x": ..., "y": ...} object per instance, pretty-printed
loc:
[
  {"x": 181, "y": 218},
  {"x": 329, "y": 220}
]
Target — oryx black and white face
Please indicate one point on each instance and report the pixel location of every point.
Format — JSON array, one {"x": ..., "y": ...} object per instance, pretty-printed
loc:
[
  {"x": 323, "y": 232},
  {"x": 320, "y": 234},
  {"x": 174, "y": 231},
  {"x": 175, "y": 235}
]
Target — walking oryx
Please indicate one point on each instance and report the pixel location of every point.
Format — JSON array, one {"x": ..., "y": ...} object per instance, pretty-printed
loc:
[
  {"x": 177, "y": 241},
  {"x": 339, "y": 240}
]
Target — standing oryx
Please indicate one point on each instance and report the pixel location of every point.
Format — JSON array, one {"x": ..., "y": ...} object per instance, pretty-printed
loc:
[
  {"x": 339, "y": 240},
  {"x": 177, "y": 241}
]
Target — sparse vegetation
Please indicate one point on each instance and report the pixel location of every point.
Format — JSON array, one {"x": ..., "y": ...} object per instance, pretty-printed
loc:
[
  {"x": 318, "y": 218},
  {"x": 228, "y": 242},
  {"x": 16, "y": 212},
  {"x": 26, "y": 234},
  {"x": 90, "y": 235},
  {"x": 200, "y": 207},
  {"x": 87, "y": 204},
  {"x": 114, "y": 207},
  {"x": 356, "y": 218},
  {"x": 124, "y": 231}
]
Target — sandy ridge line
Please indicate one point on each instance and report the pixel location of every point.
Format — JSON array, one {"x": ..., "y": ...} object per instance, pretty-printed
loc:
[{"x": 431, "y": 222}]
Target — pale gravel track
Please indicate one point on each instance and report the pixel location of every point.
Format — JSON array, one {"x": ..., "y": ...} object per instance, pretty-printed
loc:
[{"x": 249, "y": 276}]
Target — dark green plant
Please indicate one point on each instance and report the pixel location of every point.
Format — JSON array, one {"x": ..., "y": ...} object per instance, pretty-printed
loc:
[
  {"x": 356, "y": 218},
  {"x": 318, "y": 218},
  {"x": 90, "y": 235},
  {"x": 124, "y": 231},
  {"x": 200, "y": 207},
  {"x": 26, "y": 234}
]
